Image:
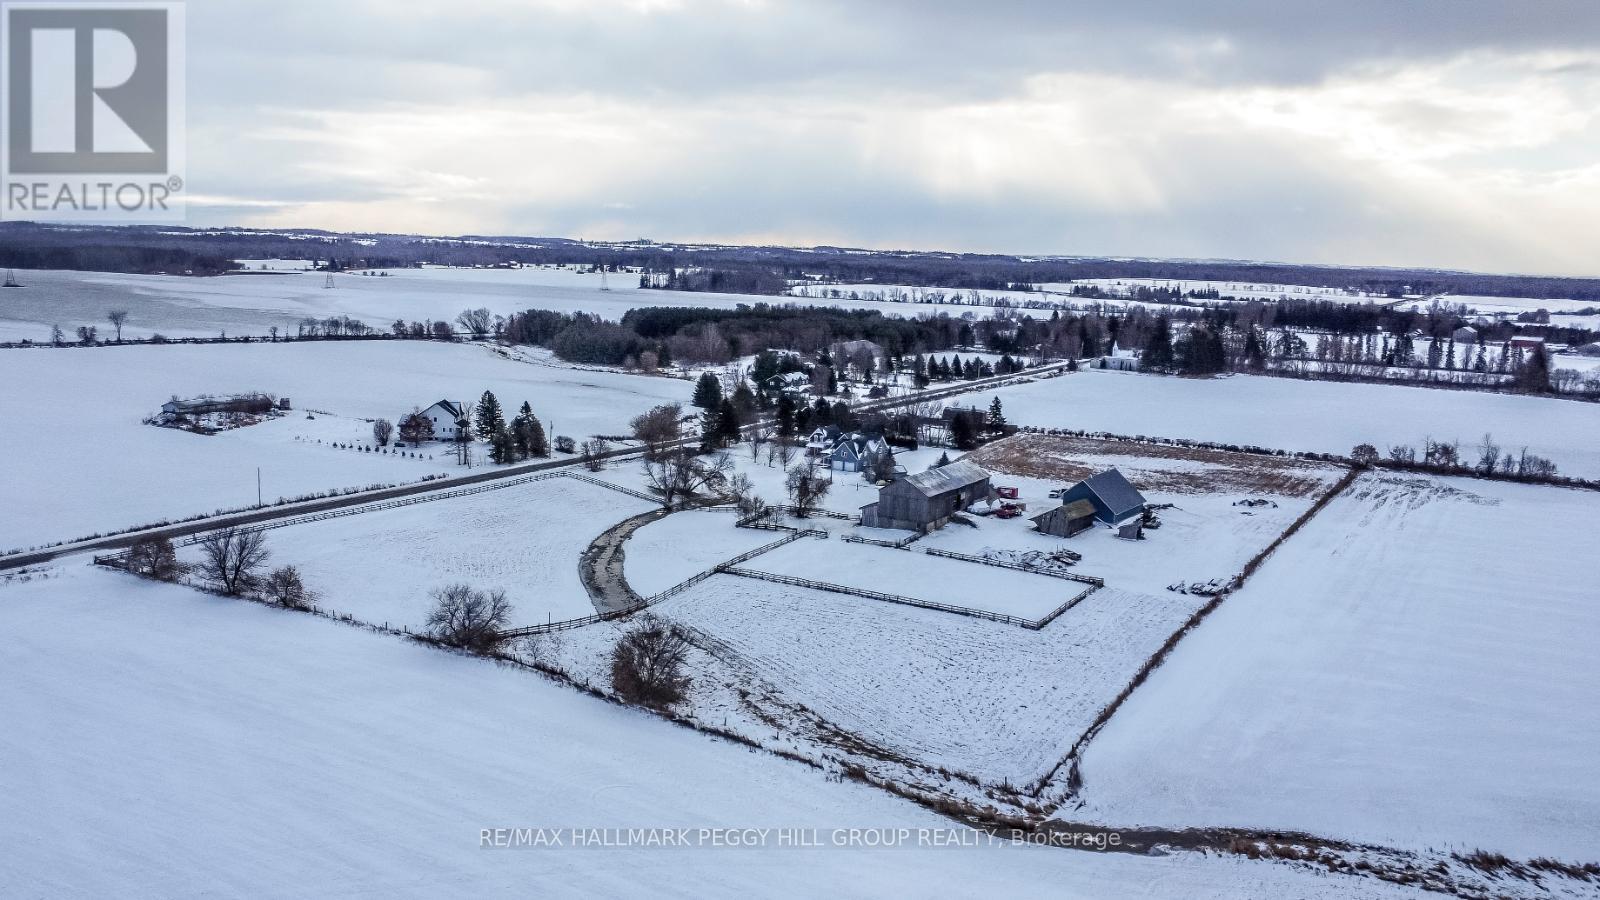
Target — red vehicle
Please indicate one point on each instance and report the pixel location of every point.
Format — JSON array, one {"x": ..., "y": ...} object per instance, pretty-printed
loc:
[
  {"x": 1008, "y": 493},
  {"x": 1008, "y": 511}
]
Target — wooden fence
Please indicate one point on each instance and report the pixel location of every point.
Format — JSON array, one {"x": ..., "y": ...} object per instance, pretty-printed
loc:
[
  {"x": 1031, "y": 625},
  {"x": 1032, "y": 570}
]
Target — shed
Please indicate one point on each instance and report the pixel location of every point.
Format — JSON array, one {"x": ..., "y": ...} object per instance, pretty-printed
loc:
[
  {"x": 1113, "y": 498},
  {"x": 1466, "y": 334},
  {"x": 928, "y": 499},
  {"x": 1067, "y": 519}
]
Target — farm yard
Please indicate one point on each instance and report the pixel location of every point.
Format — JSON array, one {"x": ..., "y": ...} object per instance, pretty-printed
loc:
[
  {"x": 1309, "y": 416},
  {"x": 87, "y": 406},
  {"x": 1415, "y": 668}
]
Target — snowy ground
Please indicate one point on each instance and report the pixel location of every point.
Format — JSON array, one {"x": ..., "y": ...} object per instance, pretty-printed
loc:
[
  {"x": 1415, "y": 667},
  {"x": 682, "y": 545},
  {"x": 166, "y": 743},
  {"x": 526, "y": 540},
  {"x": 79, "y": 459},
  {"x": 915, "y": 574},
  {"x": 1306, "y": 415},
  {"x": 178, "y": 306}
]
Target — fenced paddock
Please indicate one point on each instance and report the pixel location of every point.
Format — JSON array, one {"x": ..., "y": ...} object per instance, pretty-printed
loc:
[{"x": 946, "y": 583}]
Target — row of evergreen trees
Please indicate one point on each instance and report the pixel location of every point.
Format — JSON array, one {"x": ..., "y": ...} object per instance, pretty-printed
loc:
[{"x": 522, "y": 438}]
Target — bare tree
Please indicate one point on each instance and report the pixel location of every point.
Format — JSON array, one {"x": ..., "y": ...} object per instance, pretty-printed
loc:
[
  {"x": 647, "y": 663},
  {"x": 382, "y": 430},
  {"x": 806, "y": 489},
  {"x": 744, "y": 495},
  {"x": 155, "y": 558},
  {"x": 469, "y": 619},
  {"x": 679, "y": 475},
  {"x": 285, "y": 588},
  {"x": 116, "y": 317},
  {"x": 1364, "y": 454},
  {"x": 1488, "y": 455},
  {"x": 594, "y": 454},
  {"x": 477, "y": 321},
  {"x": 231, "y": 558},
  {"x": 416, "y": 427},
  {"x": 659, "y": 427}
]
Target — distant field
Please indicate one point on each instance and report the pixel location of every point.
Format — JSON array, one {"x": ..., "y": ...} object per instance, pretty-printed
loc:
[
  {"x": 78, "y": 459},
  {"x": 1319, "y": 416},
  {"x": 1415, "y": 667}
]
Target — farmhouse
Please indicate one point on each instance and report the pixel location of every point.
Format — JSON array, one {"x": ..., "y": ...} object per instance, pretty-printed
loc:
[
  {"x": 449, "y": 419},
  {"x": 850, "y": 352},
  {"x": 1067, "y": 519},
  {"x": 1466, "y": 334},
  {"x": 1116, "y": 503},
  {"x": 790, "y": 383},
  {"x": 857, "y": 452},
  {"x": 928, "y": 499},
  {"x": 822, "y": 440}
]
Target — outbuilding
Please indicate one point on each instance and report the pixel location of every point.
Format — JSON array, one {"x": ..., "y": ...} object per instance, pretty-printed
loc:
[
  {"x": 1116, "y": 502},
  {"x": 1067, "y": 519},
  {"x": 927, "y": 500}
]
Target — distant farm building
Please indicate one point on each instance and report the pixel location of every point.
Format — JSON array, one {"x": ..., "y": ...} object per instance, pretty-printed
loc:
[
  {"x": 1123, "y": 360},
  {"x": 1117, "y": 504},
  {"x": 245, "y": 403},
  {"x": 1523, "y": 342},
  {"x": 1067, "y": 519},
  {"x": 1590, "y": 349},
  {"x": 848, "y": 352},
  {"x": 1466, "y": 334},
  {"x": 448, "y": 418},
  {"x": 928, "y": 499}
]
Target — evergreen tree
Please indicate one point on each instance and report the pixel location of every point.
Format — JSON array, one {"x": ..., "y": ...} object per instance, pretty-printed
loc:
[
  {"x": 944, "y": 460},
  {"x": 501, "y": 449},
  {"x": 1535, "y": 374},
  {"x": 997, "y": 417},
  {"x": 962, "y": 431},
  {"x": 1158, "y": 350},
  {"x": 538, "y": 444},
  {"x": 821, "y": 413},
  {"x": 785, "y": 416},
  {"x": 488, "y": 416},
  {"x": 727, "y": 423},
  {"x": 833, "y": 381},
  {"x": 1253, "y": 357},
  {"x": 707, "y": 392},
  {"x": 744, "y": 401}
]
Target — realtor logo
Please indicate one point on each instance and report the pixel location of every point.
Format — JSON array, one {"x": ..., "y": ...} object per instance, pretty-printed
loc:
[{"x": 93, "y": 111}]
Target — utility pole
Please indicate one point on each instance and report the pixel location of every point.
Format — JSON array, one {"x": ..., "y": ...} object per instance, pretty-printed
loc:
[{"x": 258, "y": 485}]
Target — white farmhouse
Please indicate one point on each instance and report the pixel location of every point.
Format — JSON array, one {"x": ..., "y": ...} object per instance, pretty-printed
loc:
[{"x": 449, "y": 418}]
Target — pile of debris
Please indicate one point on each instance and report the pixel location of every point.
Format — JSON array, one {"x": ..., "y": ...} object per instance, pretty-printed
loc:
[
  {"x": 1256, "y": 502},
  {"x": 209, "y": 415},
  {"x": 1043, "y": 560},
  {"x": 1202, "y": 588}
]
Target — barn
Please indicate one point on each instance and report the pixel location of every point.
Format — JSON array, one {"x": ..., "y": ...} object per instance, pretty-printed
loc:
[
  {"x": 1116, "y": 502},
  {"x": 928, "y": 499},
  {"x": 1067, "y": 519}
]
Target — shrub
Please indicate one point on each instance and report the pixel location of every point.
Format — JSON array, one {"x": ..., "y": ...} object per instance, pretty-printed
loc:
[
  {"x": 469, "y": 619},
  {"x": 285, "y": 588},
  {"x": 648, "y": 661},
  {"x": 155, "y": 558}
]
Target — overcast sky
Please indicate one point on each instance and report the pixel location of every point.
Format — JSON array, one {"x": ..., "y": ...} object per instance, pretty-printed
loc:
[{"x": 1413, "y": 132}]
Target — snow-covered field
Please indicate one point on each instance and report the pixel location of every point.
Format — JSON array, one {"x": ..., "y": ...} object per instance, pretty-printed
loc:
[
  {"x": 995, "y": 701},
  {"x": 78, "y": 459},
  {"x": 1316, "y": 416},
  {"x": 525, "y": 539},
  {"x": 672, "y": 550},
  {"x": 1415, "y": 667},
  {"x": 167, "y": 743},
  {"x": 178, "y": 306},
  {"x": 920, "y": 576}
]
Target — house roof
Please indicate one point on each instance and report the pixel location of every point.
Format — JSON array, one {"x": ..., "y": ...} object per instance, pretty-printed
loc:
[
  {"x": 450, "y": 407},
  {"x": 1114, "y": 491},
  {"x": 946, "y": 478},
  {"x": 858, "y": 444},
  {"x": 1077, "y": 509}
]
